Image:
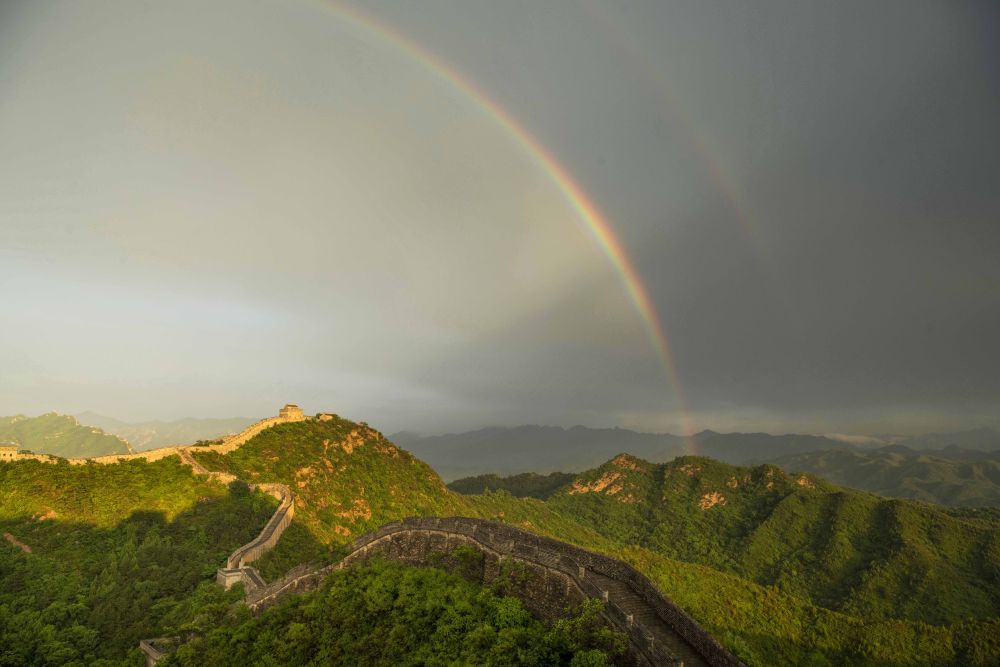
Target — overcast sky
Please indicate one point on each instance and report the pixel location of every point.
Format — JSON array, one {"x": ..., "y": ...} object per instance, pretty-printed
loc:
[{"x": 212, "y": 208}]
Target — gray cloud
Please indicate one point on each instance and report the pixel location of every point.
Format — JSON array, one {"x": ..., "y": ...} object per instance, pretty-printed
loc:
[{"x": 210, "y": 210}]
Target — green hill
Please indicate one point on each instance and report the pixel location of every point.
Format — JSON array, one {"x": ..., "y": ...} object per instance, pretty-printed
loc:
[
  {"x": 844, "y": 550},
  {"x": 524, "y": 485},
  {"x": 59, "y": 435},
  {"x": 950, "y": 476},
  {"x": 348, "y": 479}
]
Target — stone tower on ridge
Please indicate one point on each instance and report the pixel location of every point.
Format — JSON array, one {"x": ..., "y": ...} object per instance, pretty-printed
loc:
[{"x": 292, "y": 413}]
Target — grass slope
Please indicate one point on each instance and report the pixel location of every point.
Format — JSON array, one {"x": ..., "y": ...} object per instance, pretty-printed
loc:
[{"x": 59, "y": 435}]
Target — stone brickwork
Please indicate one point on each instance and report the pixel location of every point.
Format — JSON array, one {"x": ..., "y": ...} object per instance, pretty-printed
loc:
[{"x": 556, "y": 575}]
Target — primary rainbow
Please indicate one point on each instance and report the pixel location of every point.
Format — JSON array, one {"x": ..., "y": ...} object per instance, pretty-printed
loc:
[{"x": 585, "y": 208}]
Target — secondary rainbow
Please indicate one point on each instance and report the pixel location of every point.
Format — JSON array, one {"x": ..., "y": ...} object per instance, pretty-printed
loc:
[{"x": 586, "y": 209}]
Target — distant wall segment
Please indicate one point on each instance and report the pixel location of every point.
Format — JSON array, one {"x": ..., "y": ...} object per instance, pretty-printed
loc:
[{"x": 289, "y": 413}]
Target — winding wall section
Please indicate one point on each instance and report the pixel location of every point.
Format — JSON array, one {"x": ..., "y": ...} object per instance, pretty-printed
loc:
[{"x": 659, "y": 632}]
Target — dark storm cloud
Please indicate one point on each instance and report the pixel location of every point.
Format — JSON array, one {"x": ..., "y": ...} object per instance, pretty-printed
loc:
[
  {"x": 863, "y": 141},
  {"x": 809, "y": 192}
]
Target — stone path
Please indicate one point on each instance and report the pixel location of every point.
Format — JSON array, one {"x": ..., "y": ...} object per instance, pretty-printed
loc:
[{"x": 646, "y": 616}]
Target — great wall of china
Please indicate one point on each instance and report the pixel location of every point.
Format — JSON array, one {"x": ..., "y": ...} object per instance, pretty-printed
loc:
[
  {"x": 289, "y": 413},
  {"x": 556, "y": 575}
]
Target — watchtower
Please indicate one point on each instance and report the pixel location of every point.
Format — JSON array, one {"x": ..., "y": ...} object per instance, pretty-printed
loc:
[
  {"x": 292, "y": 413},
  {"x": 8, "y": 451}
]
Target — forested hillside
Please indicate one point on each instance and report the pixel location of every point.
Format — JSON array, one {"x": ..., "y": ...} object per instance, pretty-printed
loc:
[
  {"x": 98, "y": 557},
  {"x": 59, "y": 435},
  {"x": 849, "y": 551},
  {"x": 784, "y": 570}
]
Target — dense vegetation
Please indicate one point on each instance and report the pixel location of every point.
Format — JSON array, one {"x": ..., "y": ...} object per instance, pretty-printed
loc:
[
  {"x": 786, "y": 570},
  {"x": 347, "y": 478},
  {"x": 59, "y": 435},
  {"x": 97, "y": 557},
  {"x": 524, "y": 485},
  {"x": 950, "y": 476},
  {"x": 849, "y": 551},
  {"x": 392, "y": 614}
]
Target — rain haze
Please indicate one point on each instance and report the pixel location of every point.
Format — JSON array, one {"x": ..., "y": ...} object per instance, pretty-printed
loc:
[{"x": 434, "y": 216}]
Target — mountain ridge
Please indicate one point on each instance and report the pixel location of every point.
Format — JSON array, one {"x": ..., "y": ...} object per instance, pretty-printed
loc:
[
  {"x": 56, "y": 434},
  {"x": 151, "y": 434}
]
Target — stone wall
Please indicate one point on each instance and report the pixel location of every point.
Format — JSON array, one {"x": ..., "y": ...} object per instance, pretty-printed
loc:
[
  {"x": 557, "y": 575},
  {"x": 229, "y": 443},
  {"x": 269, "y": 535}
]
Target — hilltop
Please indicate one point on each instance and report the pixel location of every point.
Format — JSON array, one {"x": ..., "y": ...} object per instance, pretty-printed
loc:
[
  {"x": 348, "y": 479},
  {"x": 59, "y": 435}
]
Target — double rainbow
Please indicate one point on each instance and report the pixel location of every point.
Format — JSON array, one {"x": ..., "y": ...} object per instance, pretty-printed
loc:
[{"x": 587, "y": 211}]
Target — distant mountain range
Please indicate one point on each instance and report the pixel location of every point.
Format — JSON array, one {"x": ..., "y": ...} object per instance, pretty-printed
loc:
[
  {"x": 59, "y": 435},
  {"x": 507, "y": 458},
  {"x": 545, "y": 449},
  {"x": 949, "y": 476},
  {"x": 982, "y": 439},
  {"x": 153, "y": 434}
]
